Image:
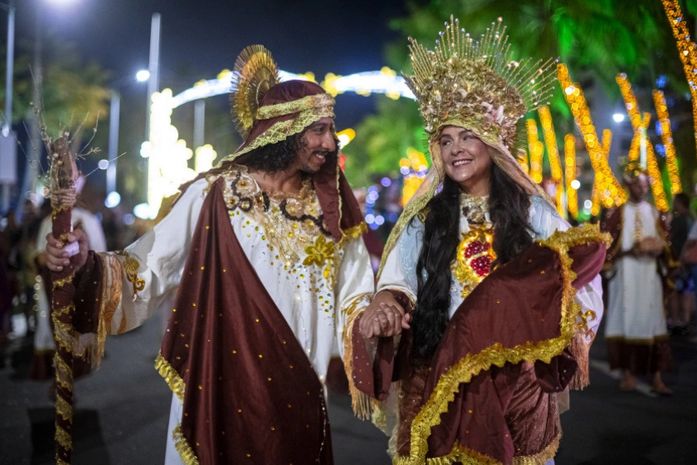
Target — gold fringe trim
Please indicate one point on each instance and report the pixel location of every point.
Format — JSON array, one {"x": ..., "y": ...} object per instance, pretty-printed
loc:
[
  {"x": 62, "y": 282},
  {"x": 63, "y": 438},
  {"x": 186, "y": 453},
  {"x": 360, "y": 401},
  {"x": 496, "y": 355},
  {"x": 542, "y": 457},
  {"x": 171, "y": 377},
  {"x": 461, "y": 455},
  {"x": 64, "y": 409}
]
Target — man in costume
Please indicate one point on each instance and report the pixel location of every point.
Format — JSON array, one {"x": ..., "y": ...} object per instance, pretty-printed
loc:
[
  {"x": 502, "y": 298},
  {"x": 636, "y": 331},
  {"x": 258, "y": 263}
]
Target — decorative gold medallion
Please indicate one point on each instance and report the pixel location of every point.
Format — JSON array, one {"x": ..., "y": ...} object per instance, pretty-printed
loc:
[{"x": 475, "y": 257}]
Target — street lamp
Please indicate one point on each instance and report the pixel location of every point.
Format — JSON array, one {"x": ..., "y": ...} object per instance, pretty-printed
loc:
[
  {"x": 8, "y": 140},
  {"x": 113, "y": 197},
  {"x": 142, "y": 75}
]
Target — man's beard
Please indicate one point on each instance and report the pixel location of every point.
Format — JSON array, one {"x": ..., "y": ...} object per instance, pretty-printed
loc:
[{"x": 329, "y": 157}]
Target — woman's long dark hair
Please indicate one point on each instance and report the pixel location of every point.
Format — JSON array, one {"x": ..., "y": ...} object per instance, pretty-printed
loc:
[{"x": 509, "y": 207}]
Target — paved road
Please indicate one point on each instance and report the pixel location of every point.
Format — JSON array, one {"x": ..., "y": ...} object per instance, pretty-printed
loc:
[{"x": 122, "y": 414}]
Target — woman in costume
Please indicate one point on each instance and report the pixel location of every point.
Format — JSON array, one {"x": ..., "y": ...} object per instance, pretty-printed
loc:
[{"x": 497, "y": 298}]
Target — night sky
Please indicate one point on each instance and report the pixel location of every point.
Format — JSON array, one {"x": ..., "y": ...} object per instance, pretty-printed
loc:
[{"x": 200, "y": 38}]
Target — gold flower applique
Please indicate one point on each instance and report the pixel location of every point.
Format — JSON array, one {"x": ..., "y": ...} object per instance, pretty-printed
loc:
[{"x": 321, "y": 254}]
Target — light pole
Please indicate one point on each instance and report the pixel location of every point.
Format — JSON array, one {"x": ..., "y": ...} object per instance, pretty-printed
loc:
[
  {"x": 8, "y": 139},
  {"x": 113, "y": 198}
]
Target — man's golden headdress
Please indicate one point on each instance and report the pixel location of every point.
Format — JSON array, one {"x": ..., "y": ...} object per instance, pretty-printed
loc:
[
  {"x": 267, "y": 111},
  {"x": 632, "y": 169}
]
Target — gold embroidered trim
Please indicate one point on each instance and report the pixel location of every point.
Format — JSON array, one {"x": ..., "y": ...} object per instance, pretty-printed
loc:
[
  {"x": 360, "y": 402},
  {"x": 186, "y": 453},
  {"x": 65, "y": 374},
  {"x": 321, "y": 102},
  {"x": 354, "y": 232},
  {"x": 282, "y": 130},
  {"x": 169, "y": 374},
  {"x": 63, "y": 438},
  {"x": 64, "y": 335},
  {"x": 541, "y": 457},
  {"x": 62, "y": 282},
  {"x": 63, "y": 311},
  {"x": 64, "y": 409},
  {"x": 496, "y": 355},
  {"x": 131, "y": 266}
]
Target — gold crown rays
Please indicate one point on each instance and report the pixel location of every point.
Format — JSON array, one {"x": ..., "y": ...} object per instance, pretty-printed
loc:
[
  {"x": 476, "y": 83},
  {"x": 254, "y": 74}
]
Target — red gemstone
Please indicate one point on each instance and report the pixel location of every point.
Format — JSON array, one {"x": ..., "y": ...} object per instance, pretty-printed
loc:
[{"x": 481, "y": 265}]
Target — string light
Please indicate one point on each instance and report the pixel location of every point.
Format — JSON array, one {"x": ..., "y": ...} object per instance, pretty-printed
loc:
[
  {"x": 414, "y": 168},
  {"x": 550, "y": 138},
  {"x": 579, "y": 108},
  {"x": 640, "y": 125},
  {"x": 667, "y": 138},
  {"x": 687, "y": 50},
  {"x": 570, "y": 174},
  {"x": 600, "y": 195},
  {"x": 536, "y": 149}
]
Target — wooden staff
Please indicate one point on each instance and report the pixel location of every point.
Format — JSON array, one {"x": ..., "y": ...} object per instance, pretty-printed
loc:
[{"x": 63, "y": 173}]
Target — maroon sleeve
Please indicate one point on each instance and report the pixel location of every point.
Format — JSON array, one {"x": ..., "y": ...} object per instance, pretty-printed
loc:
[
  {"x": 372, "y": 377},
  {"x": 556, "y": 375},
  {"x": 87, "y": 283}
]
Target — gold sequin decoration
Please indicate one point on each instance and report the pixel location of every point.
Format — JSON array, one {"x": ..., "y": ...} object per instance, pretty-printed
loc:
[{"x": 63, "y": 438}]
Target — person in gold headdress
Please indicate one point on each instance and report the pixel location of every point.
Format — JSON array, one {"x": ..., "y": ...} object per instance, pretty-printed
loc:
[
  {"x": 636, "y": 331},
  {"x": 491, "y": 299},
  {"x": 258, "y": 264}
]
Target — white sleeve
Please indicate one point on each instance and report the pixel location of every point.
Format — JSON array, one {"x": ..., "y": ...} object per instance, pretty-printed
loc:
[
  {"x": 160, "y": 255},
  {"x": 355, "y": 285},
  {"x": 399, "y": 270},
  {"x": 544, "y": 220},
  {"x": 693, "y": 232}
]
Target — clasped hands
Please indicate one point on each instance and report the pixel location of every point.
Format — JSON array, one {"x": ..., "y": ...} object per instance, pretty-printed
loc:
[
  {"x": 648, "y": 247},
  {"x": 384, "y": 317}
]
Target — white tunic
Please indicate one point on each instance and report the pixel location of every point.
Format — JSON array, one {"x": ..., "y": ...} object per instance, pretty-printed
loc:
[
  {"x": 635, "y": 300},
  {"x": 312, "y": 304},
  {"x": 399, "y": 272}
]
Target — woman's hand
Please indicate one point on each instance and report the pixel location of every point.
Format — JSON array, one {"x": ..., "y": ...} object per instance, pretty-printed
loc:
[
  {"x": 384, "y": 317},
  {"x": 59, "y": 255}
]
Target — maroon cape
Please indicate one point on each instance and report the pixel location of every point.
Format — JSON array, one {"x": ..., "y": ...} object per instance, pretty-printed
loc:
[
  {"x": 511, "y": 331},
  {"x": 249, "y": 391}
]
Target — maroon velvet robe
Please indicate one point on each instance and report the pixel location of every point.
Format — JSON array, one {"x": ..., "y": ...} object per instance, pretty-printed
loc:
[{"x": 497, "y": 394}]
